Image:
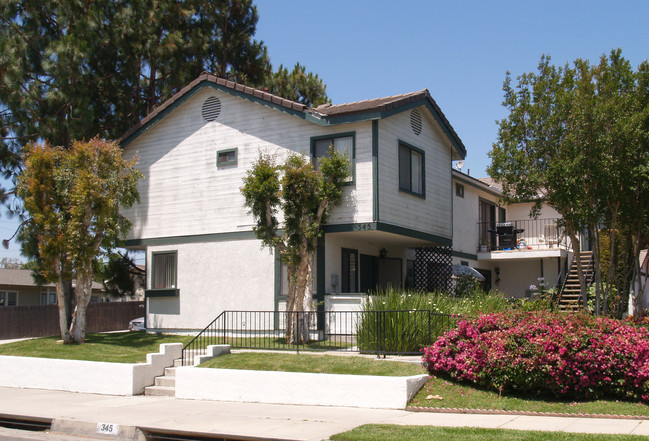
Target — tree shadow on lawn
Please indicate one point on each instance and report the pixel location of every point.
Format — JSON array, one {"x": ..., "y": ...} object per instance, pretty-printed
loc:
[
  {"x": 279, "y": 343},
  {"x": 132, "y": 339}
]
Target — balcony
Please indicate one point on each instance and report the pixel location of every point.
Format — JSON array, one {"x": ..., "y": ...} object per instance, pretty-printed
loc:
[{"x": 521, "y": 238}]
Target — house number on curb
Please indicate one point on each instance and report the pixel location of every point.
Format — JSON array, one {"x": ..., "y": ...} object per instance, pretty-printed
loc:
[{"x": 108, "y": 428}]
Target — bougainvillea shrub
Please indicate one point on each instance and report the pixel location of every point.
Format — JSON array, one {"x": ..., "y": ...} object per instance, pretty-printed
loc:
[{"x": 568, "y": 356}]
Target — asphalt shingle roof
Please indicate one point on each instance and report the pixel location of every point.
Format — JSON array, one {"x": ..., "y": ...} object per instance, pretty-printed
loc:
[{"x": 384, "y": 104}]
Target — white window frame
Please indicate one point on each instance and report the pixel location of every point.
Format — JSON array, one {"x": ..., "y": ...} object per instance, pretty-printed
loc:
[
  {"x": 48, "y": 293},
  {"x": 5, "y": 297}
]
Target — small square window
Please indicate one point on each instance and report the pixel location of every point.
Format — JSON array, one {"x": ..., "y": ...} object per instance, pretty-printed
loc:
[
  {"x": 48, "y": 296},
  {"x": 226, "y": 157},
  {"x": 459, "y": 190}
]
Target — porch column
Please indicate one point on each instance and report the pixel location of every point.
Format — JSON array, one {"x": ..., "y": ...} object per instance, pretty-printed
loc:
[{"x": 320, "y": 283}]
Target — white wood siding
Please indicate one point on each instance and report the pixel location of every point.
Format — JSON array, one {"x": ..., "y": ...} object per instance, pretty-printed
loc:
[
  {"x": 466, "y": 234},
  {"x": 184, "y": 192},
  {"x": 433, "y": 214}
]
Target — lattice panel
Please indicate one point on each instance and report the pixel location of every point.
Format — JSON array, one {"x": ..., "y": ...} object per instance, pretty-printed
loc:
[{"x": 433, "y": 269}]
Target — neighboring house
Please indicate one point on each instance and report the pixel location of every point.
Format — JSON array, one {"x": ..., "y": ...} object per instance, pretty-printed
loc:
[
  {"x": 507, "y": 246},
  {"x": 17, "y": 288},
  {"x": 202, "y": 255}
]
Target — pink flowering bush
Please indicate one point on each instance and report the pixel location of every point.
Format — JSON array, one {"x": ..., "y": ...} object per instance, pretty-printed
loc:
[{"x": 567, "y": 356}]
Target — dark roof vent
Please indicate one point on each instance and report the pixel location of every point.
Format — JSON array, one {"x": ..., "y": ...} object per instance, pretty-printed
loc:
[
  {"x": 415, "y": 121},
  {"x": 211, "y": 109}
]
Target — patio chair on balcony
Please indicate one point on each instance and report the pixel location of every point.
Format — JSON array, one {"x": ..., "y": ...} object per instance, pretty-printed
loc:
[{"x": 551, "y": 235}]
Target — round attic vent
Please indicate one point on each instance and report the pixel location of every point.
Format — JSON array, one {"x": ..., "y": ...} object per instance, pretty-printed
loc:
[
  {"x": 415, "y": 121},
  {"x": 211, "y": 109}
]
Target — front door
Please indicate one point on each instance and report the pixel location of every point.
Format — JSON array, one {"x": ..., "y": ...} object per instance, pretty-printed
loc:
[
  {"x": 390, "y": 273},
  {"x": 369, "y": 267}
]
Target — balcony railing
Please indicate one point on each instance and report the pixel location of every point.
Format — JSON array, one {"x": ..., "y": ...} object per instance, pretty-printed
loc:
[{"x": 522, "y": 235}]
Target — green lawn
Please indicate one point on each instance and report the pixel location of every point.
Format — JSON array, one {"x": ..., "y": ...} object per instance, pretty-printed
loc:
[
  {"x": 116, "y": 347},
  {"x": 456, "y": 395},
  {"x": 375, "y": 432},
  {"x": 314, "y": 363}
]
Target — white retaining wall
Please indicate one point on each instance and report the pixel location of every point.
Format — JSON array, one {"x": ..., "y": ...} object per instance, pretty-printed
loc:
[
  {"x": 296, "y": 388},
  {"x": 87, "y": 376}
]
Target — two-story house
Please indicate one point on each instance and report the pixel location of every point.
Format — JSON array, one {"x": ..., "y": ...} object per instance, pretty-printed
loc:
[
  {"x": 508, "y": 247},
  {"x": 202, "y": 255}
]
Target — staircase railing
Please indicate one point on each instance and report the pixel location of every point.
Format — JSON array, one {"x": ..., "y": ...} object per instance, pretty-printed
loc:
[
  {"x": 208, "y": 336},
  {"x": 561, "y": 282},
  {"x": 588, "y": 272}
]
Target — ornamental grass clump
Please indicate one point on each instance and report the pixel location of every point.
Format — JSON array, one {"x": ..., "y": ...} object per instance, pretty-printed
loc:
[
  {"x": 402, "y": 321},
  {"x": 540, "y": 353}
]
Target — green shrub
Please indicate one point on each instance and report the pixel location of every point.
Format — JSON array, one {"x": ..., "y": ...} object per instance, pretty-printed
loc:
[
  {"x": 569, "y": 356},
  {"x": 405, "y": 321}
]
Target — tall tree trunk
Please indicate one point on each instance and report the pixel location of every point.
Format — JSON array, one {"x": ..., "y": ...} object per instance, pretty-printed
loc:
[
  {"x": 82, "y": 295},
  {"x": 63, "y": 301},
  {"x": 598, "y": 273},
  {"x": 299, "y": 300}
]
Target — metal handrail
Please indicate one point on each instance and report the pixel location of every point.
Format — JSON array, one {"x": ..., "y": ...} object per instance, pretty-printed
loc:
[
  {"x": 561, "y": 280},
  {"x": 399, "y": 332},
  {"x": 186, "y": 353}
]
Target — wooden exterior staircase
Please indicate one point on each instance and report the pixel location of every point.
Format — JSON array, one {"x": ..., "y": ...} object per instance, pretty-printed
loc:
[{"x": 569, "y": 300}]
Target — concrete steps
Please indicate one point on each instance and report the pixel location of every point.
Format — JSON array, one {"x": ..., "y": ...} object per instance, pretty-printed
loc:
[{"x": 164, "y": 385}]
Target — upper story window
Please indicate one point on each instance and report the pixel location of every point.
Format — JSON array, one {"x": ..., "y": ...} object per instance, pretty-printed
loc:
[
  {"x": 411, "y": 170},
  {"x": 164, "y": 270},
  {"x": 343, "y": 143},
  {"x": 459, "y": 190}
]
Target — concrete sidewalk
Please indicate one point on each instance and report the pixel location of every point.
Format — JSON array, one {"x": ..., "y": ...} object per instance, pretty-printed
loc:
[{"x": 78, "y": 414}]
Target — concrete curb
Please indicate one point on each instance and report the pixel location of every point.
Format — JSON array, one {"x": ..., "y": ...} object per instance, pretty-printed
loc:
[
  {"x": 91, "y": 430},
  {"x": 523, "y": 413}
]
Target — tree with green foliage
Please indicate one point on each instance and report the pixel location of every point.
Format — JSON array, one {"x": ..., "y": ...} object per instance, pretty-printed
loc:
[
  {"x": 73, "y": 198},
  {"x": 297, "y": 85},
  {"x": 75, "y": 70},
  {"x": 118, "y": 273},
  {"x": 576, "y": 139},
  {"x": 304, "y": 197}
]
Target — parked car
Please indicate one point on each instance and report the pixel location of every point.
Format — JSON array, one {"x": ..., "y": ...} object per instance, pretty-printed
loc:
[{"x": 136, "y": 324}]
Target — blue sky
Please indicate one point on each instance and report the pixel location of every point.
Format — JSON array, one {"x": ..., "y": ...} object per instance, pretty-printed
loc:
[{"x": 459, "y": 50}]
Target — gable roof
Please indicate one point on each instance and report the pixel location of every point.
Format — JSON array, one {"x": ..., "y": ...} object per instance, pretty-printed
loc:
[
  {"x": 325, "y": 115},
  {"x": 485, "y": 184},
  {"x": 23, "y": 277}
]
